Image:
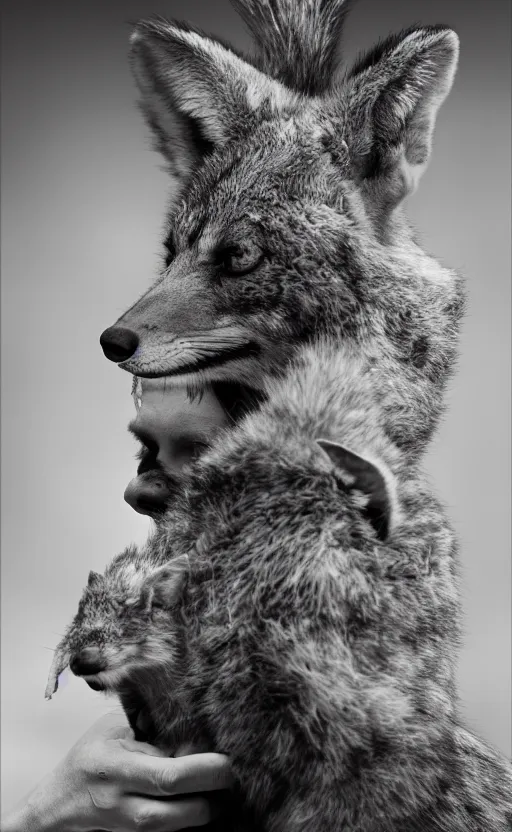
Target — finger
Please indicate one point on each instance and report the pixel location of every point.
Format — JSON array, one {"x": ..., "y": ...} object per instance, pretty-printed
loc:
[
  {"x": 163, "y": 777},
  {"x": 129, "y": 744},
  {"x": 138, "y": 813}
]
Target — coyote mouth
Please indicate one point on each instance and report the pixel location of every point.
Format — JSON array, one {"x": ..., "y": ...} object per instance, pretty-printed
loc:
[
  {"x": 230, "y": 354},
  {"x": 191, "y": 355}
]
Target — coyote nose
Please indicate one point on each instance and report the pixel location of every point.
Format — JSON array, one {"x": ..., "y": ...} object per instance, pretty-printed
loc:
[
  {"x": 119, "y": 343},
  {"x": 87, "y": 662}
]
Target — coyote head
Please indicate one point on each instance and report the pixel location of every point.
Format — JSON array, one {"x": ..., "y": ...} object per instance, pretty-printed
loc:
[
  {"x": 286, "y": 221},
  {"x": 112, "y": 638}
]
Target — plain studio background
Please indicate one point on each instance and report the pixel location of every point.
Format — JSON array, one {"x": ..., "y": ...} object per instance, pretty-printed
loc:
[{"x": 83, "y": 206}]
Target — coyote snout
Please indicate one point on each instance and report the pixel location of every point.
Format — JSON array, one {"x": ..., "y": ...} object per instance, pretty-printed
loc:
[
  {"x": 178, "y": 356},
  {"x": 179, "y": 329}
]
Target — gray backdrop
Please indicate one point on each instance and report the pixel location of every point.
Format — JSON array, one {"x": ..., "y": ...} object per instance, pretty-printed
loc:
[{"x": 82, "y": 209}]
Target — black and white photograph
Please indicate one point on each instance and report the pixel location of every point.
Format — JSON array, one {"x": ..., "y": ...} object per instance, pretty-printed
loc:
[{"x": 256, "y": 387}]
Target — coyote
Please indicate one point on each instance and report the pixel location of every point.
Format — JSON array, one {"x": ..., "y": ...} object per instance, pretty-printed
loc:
[
  {"x": 299, "y": 605},
  {"x": 286, "y": 223}
]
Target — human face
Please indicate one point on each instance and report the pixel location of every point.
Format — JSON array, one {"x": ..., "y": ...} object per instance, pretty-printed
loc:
[{"x": 172, "y": 430}]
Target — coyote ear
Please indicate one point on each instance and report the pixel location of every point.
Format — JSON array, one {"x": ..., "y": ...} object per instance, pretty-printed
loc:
[
  {"x": 364, "y": 476},
  {"x": 94, "y": 578},
  {"x": 166, "y": 583},
  {"x": 196, "y": 93},
  {"x": 395, "y": 93}
]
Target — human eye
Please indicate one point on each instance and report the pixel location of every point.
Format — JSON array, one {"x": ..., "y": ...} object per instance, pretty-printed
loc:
[
  {"x": 189, "y": 448},
  {"x": 147, "y": 455}
]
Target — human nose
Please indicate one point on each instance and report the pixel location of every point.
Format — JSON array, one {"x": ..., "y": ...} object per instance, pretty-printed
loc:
[{"x": 148, "y": 495}]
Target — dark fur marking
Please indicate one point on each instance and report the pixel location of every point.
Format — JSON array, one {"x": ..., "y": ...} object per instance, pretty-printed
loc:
[
  {"x": 202, "y": 143},
  {"x": 420, "y": 351}
]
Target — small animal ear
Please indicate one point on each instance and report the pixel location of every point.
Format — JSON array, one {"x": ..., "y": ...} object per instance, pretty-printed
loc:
[
  {"x": 94, "y": 578},
  {"x": 364, "y": 476},
  {"x": 196, "y": 94},
  {"x": 166, "y": 583},
  {"x": 60, "y": 662},
  {"x": 394, "y": 95}
]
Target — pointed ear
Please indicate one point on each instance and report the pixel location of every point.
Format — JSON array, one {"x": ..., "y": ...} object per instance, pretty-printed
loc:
[
  {"x": 166, "y": 583},
  {"x": 196, "y": 93},
  {"x": 94, "y": 578},
  {"x": 366, "y": 477},
  {"x": 394, "y": 95},
  {"x": 59, "y": 663}
]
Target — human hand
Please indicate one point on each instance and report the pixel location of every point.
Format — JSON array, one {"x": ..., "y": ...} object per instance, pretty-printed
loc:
[{"x": 108, "y": 781}]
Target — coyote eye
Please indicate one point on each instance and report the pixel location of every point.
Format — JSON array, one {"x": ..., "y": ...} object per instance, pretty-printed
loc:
[{"x": 241, "y": 259}]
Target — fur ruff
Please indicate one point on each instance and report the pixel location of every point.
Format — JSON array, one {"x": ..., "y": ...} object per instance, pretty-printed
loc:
[{"x": 317, "y": 657}]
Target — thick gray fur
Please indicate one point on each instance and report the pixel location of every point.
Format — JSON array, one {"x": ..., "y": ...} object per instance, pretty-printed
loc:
[
  {"x": 305, "y": 192},
  {"x": 297, "y": 40},
  {"x": 318, "y": 657}
]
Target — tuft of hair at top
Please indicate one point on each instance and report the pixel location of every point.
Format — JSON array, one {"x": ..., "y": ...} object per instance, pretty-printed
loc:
[{"x": 298, "y": 40}]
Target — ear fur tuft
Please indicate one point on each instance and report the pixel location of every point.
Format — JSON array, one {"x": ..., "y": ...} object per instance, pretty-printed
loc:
[{"x": 166, "y": 583}]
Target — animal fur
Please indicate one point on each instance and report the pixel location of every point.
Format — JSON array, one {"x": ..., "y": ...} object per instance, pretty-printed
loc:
[
  {"x": 286, "y": 222},
  {"x": 318, "y": 656},
  {"x": 297, "y": 40}
]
